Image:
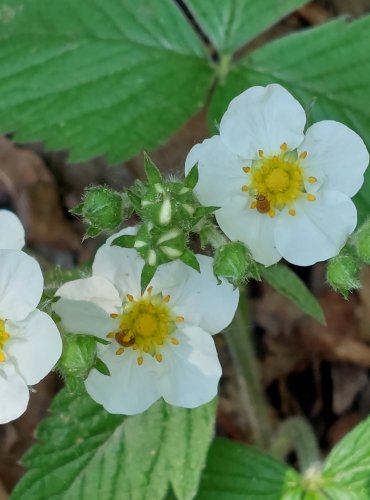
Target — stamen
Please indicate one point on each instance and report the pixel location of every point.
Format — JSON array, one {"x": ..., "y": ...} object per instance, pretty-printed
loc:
[
  {"x": 292, "y": 212},
  {"x": 130, "y": 298},
  {"x": 245, "y": 188},
  {"x": 140, "y": 360},
  {"x": 159, "y": 357},
  {"x": 2, "y": 357},
  {"x": 253, "y": 204},
  {"x": 272, "y": 213},
  {"x": 260, "y": 153},
  {"x": 167, "y": 298},
  {"x": 174, "y": 341},
  {"x": 114, "y": 315},
  {"x": 180, "y": 319},
  {"x": 246, "y": 169},
  {"x": 146, "y": 348},
  {"x": 110, "y": 335},
  {"x": 126, "y": 338},
  {"x": 284, "y": 147},
  {"x": 149, "y": 290},
  {"x": 312, "y": 179},
  {"x": 311, "y": 197},
  {"x": 303, "y": 155},
  {"x": 120, "y": 351},
  {"x": 135, "y": 347}
]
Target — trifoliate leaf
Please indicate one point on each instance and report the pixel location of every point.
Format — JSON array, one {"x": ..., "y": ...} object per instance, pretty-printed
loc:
[{"x": 83, "y": 452}]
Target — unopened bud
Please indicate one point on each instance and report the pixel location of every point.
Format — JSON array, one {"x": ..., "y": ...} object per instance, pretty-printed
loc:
[
  {"x": 79, "y": 355},
  {"x": 233, "y": 261},
  {"x": 342, "y": 274}
]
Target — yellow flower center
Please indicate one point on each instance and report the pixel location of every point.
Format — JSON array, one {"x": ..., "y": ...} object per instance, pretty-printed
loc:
[
  {"x": 145, "y": 325},
  {"x": 4, "y": 337},
  {"x": 277, "y": 181}
]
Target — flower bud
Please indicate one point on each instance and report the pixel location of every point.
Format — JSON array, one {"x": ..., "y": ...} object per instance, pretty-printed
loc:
[
  {"x": 233, "y": 261},
  {"x": 342, "y": 274},
  {"x": 102, "y": 208},
  {"x": 78, "y": 357},
  {"x": 361, "y": 242}
]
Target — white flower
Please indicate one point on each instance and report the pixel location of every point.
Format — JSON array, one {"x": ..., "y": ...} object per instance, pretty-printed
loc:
[
  {"x": 280, "y": 191},
  {"x": 11, "y": 231},
  {"x": 30, "y": 343},
  {"x": 161, "y": 343}
]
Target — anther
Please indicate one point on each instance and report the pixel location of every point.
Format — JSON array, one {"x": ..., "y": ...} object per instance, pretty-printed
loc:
[
  {"x": 114, "y": 315},
  {"x": 180, "y": 319},
  {"x": 135, "y": 347},
  {"x": 159, "y": 357},
  {"x": 284, "y": 147},
  {"x": 126, "y": 338},
  {"x": 140, "y": 360},
  {"x": 303, "y": 155},
  {"x": 130, "y": 298},
  {"x": 120, "y": 351},
  {"x": 260, "y": 153},
  {"x": 174, "y": 341},
  {"x": 110, "y": 335},
  {"x": 167, "y": 298},
  {"x": 246, "y": 169},
  {"x": 253, "y": 204},
  {"x": 292, "y": 212},
  {"x": 245, "y": 188},
  {"x": 311, "y": 197},
  {"x": 312, "y": 179},
  {"x": 2, "y": 357},
  {"x": 146, "y": 348},
  {"x": 272, "y": 213}
]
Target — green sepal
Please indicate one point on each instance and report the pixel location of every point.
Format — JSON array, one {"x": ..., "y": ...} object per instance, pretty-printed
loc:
[
  {"x": 92, "y": 232},
  {"x": 190, "y": 260},
  {"x": 134, "y": 199},
  {"x": 146, "y": 276},
  {"x": 201, "y": 212},
  {"x": 101, "y": 367},
  {"x": 192, "y": 178},
  {"x": 151, "y": 170},
  {"x": 125, "y": 241},
  {"x": 77, "y": 210},
  {"x": 101, "y": 341}
]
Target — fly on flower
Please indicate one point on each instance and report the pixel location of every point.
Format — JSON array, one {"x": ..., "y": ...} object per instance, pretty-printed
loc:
[
  {"x": 30, "y": 343},
  {"x": 282, "y": 192},
  {"x": 160, "y": 341}
]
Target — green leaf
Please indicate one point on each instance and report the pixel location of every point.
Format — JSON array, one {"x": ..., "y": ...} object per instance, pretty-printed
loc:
[
  {"x": 125, "y": 241},
  {"x": 147, "y": 274},
  {"x": 238, "y": 472},
  {"x": 326, "y": 68},
  {"x": 109, "y": 77},
  {"x": 347, "y": 468},
  {"x": 152, "y": 172},
  {"x": 84, "y": 452},
  {"x": 190, "y": 260},
  {"x": 287, "y": 283},
  {"x": 229, "y": 24}
]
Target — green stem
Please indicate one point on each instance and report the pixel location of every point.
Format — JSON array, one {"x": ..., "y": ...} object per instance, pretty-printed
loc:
[
  {"x": 252, "y": 395},
  {"x": 296, "y": 434}
]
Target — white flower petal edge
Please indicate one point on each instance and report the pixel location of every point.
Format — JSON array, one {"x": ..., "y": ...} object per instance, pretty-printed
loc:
[
  {"x": 35, "y": 346},
  {"x": 11, "y": 231},
  {"x": 14, "y": 394},
  {"x": 328, "y": 222},
  {"x": 262, "y": 118},
  {"x": 190, "y": 372},
  {"x": 199, "y": 299},
  {"x": 220, "y": 171},
  {"x": 21, "y": 284},
  {"x": 339, "y": 153},
  {"x": 130, "y": 388}
]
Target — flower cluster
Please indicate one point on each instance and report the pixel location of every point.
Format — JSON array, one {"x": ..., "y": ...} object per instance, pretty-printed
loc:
[
  {"x": 30, "y": 343},
  {"x": 282, "y": 191}
]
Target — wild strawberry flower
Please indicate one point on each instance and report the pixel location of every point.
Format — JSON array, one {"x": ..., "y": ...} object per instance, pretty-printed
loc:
[
  {"x": 30, "y": 343},
  {"x": 11, "y": 231},
  {"x": 160, "y": 342},
  {"x": 282, "y": 192}
]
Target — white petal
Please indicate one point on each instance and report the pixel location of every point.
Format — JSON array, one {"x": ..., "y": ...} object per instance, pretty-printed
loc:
[
  {"x": 21, "y": 284},
  {"x": 121, "y": 266},
  {"x": 190, "y": 371},
  {"x": 35, "y": 346},
  {"x": 241, "y": 223},
  {"x": 85, "y": 306},
  {"x": 262, "y": 118},
  {"x": 339, "y": 153},
  {"x": 220, "y": 171},
  {"x": 130, "y": 389},
  {"x": 14, "y": 395},
  {"x": 11, "y": 231},
  {"x": 318, "y": 230},
  {"x": 197, "y": 296}
]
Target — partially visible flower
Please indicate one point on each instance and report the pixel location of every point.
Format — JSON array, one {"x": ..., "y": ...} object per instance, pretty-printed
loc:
[
  {"x": 11, "y": 231},
  {"x": 281, "y": 192},
  {"x": 30, "y": 343},
  {"x": 161, "y": 343}
]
